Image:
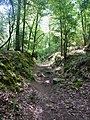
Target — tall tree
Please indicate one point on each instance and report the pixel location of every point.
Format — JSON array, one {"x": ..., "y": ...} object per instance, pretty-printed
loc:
[
  {"x": 35, "y": 33},
  {"x": 24, "y": 4},
  {"x": 17, "y": 48},
  {"x": 11, "y": 18},
  {"x": 64, "y": 15},
  {"x": 84, "y": 8}
]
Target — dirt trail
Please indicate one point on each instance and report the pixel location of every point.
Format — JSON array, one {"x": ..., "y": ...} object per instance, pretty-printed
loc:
[
  {"x": 49, "y": 97},
  {"x": 56, "y": 100},
  {"x": 51, "y": 104}
]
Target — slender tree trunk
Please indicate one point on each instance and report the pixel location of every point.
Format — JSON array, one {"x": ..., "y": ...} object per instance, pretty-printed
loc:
[
  {"x": 30, "y": 34},
  {"x": 10, "y": 26},
  {"x": 61, "y": 37},
  {"x": 83, "y": 27},
  {"x": 11, "y": 13},
  {"x": 49, "y": 40},
  {"x": 5, "y": 42},
  {"x": 24, "y": 4},
  {"x": 35, "y": 34},
  {"x": 89, "y": 38},
  {"x": 17, "y": 48},
  {"x": 8, "y": 47},
  {"x": 65, "y": 46}
]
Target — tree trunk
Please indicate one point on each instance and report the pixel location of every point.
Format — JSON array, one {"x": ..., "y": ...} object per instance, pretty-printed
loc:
[
  {"x": 24, "y": 4},
  {"x": 17, "y": 48},
  {"x": 30, "y": 33},
  {"x": 83, "y": 27},
  {"x": 35, "y": 34},
  {"x": 65, "y": 46},
  {"x": 49, "y": 44},
  {"x": 8, "y": 47},
  {"x": 10, "y": 26},
  {"x": 61, "y": 37},
  {"x": 89, "y": 38}
]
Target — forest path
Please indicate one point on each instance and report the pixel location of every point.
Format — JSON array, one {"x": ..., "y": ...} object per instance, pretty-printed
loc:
[
  {"x": 57, "y": 101},
  {"x": 44, "y": 100},
  {"x": 50, "y": 101}
]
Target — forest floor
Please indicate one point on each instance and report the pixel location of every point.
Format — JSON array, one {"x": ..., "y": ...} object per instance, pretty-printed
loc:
[
  {"x": 49, "y": 97},
  {"x": 54, "y": 101}
]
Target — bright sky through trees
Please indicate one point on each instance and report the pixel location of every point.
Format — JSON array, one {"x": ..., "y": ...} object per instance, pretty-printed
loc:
[
  {"x": 4, "y": 8},
  {"x": 45, "y": 24}
]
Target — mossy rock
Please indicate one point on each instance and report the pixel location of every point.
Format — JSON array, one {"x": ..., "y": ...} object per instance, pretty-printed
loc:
[{"x": 14, "y": 67}]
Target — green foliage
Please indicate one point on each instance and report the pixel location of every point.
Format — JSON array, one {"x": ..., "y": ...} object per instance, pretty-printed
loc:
[{"x": 65, "y": 25}]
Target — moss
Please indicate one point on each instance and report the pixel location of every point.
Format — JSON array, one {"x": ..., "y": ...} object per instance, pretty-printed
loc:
[
  {"x": 78, "y": 83},
  {"x": 2, "y": 87},
  {"x": 20, "y": 80},
  {"x": 6, "y": 80},
  {"x": 2, "y": 66},
  {"x": 17, "y": 88},
  {"x": 15, "y": 66}
]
